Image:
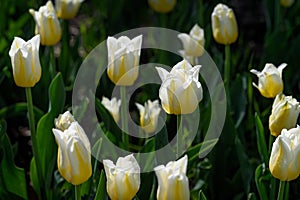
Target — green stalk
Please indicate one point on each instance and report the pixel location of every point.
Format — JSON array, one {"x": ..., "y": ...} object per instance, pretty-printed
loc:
[
  {"x": 34, "y": 141},
  {"x": 227, "y": 71},
  {"x": 124, "y": 119},
  {"x": 281, "y": 190},
  {"x": 179, "y": 133},
  {"x": 77, "y": 192},
  {"x": 52, "y": 62}
]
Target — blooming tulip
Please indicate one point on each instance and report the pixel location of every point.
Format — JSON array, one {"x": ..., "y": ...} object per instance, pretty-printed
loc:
[
  {"x": 113, "y": 106},
  {"x": 224, "y": 26},
  {"x": 64, "y": 121},
  {"x": 123, "y": 59},
  {"x": 73, "y": 158},
  {"x": 287, "y": 3},
  {"x": 180, "y": 91},
  {"x": 47, "y": 24},
  {"x": 162, "y": 6},
  {"x": 285, "y": 111},
  {"x": 269, "y": 80},
  {"x": 67, "y": 9},
  {"x": 172, "y": 180},
  {"x": 284, "y": 162},
  {"x": 25, "y": 61},
  {"x": 123, "y": 179},
  {"x": 193, "y": 43},
  {"x": 149, "y": 115}
]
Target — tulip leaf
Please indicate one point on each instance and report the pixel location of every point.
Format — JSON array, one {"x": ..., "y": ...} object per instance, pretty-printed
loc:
[
  {"x": 261, "y": 141},
  {"x": 194, "y": 152},
  {"x": 101, "y": 189},
  {"x": 259, "y": 180},
  {"x": 202, "y": 196},
  {"x": 19, "y": 109}
]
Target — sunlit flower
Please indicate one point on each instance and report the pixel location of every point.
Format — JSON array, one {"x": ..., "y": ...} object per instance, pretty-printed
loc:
[
  {"x": 67, "y": 9},
  {"x": 113, "y": 106},
  {"x": 64, "y": 121},
  {"x": 162, "y": 6}
]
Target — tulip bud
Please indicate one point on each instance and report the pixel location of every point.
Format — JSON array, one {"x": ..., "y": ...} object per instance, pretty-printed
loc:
[
  {"x": 67, "y": 9},
  {"x": 287, "y": 3},
  {"x": 123, "y": 59},
  {"x": 224, "y": 26},
  {"x": 284, "y": 162},
  {"x": 149, "y": 115},
  {"x": 193, "y": 44},
  {"x": 73, "y": 158},
  {"x": 172, "y": 180},
  {"x": 113, "y": 106},
  {"x": 64, "y": 121},
  {"x": 162, "y": 6},
  {"x": 25, "y": 61},
  {"x": 269, "y": 80},
  {"x": 123, "y": 179},
  {"x": 285, "y": 111},
  {"x": 180, "y": 91},
  {"x": 47, "y": 24}
]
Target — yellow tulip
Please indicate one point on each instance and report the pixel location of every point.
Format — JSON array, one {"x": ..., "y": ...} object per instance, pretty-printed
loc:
[
  {"x": 284, "y": 162},
  {"x": 47, "y": 24},
  {"x": 123, "y": 59},
  {"x": 172, "y": 180},
  {"x": 162, "y": 6},
  {"x": 73, "y": 158},
  {"x": 64, "y": 121},
  {"x": 224, "y": 26},
  {"x": 67, "y": 9},
  {"x": 25, "y": 61},
  {"x": 113, "y": 106},
  {"x": 180, "y": 91},
  {"x": 269, "y": 80},
  {"x": 149, "y": 115},
  {"x": 193, "y": 43},
  {"x": 287, "y": 3},
  {"x": 285, "y": 111},
  {"x": 123, "y": 179}
]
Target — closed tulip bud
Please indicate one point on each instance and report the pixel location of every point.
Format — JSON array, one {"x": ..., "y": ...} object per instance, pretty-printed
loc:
[
  {"x": 149, "y": 115},
  {"x": 73, "y": 158},
  {"x": 285, "y": 111},
  {"x": 193, "y": 43},
  {"x": 64, "y": 121},
  {"x": 25, "y": 61},
  {"x": 269, "y": 80},
  {"x": 123, "y": 179},
  {"x": 47, "y": 24},
  {"x": 67, "y": 9},
  {"x": 123, "y": 59},
  {"x": 172, "y": 180},
  {"x": 162, "y": 6},
  {"x": 284, "y": 162},
  {"x": 287, "y": 3},
  {"x": 113, "y": 106},
  {"x": 180, "y": 91},
  {"x": 224, "y": 26}
]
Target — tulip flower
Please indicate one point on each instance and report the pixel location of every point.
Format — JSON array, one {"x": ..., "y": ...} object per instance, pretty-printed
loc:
[
  {"x": 149, "y": 115},
  {"x": 123, "y": 59},
  {"x": 25, "y": 61},
  {"x": 73, "y": 158},
  {"x": 287, "y": 3},
  {"x": 162, "y": 6},
  {"x": 224, "y": 26},
  {"x": 284, "y": 162},
  {"x": 180, "y": 91},
  {"x": 67, "y": 9},
  {"x": 64, "y": 121},
  {"x": 285, "y": 111},
  {"x": 269, "y": 80},
  {"x": 193, "y": 43},
  {"x": 172, "y": 180},
  {"x": 123, "y": 179},
  {"x": 113, "y": 106},
  {"x": 47, "y": 24}
]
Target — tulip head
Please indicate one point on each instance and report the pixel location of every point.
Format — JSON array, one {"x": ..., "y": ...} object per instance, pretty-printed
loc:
[
  {"x": 284, "y": 162},
  {"x": 74, "y": 158},
  {"x": 123, "y": 179},
  {"x": 162, "y": 6},
  {"x": 113, "y": 106},
  {"x": 172, "y": 180},
  {"x": 180, "y": 91},
  {"x": 193, "y": 44},
  {"x": 269, "y": 80},
  {"x": 149, "y": 115},
  {"x": 224, "y": 25},
  {"x": 123, "y": 59},
  {"x": 287, "y": 3},
  {"x": 64, "y": 121},
  {"x": 25, "y": 61},
  {"x": 47, "y": 24},
  {"x": 67, "y": 9},
  {"x": 285, "y": 111}
]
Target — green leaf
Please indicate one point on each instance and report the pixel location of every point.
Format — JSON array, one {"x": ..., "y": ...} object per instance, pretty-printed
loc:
[
  {"x": 194, "y": 152},
  {"x": 101, "y": 190},
  {"x": 259, "y": 180},
  {"x": 261, "y": 141},
  {"x": 18, "y": 109},
  {"x": 202, "y": 196}
]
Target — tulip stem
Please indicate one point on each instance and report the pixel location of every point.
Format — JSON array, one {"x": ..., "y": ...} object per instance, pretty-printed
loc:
[
  {"x": 178, "y": 134},
  {"x": 77, "y": 192},
  {"x": 227, "y": 71},
  {"x": 281, "y": 190},
  {"x": 124, "y": 120},
  {"x": 34, "y": 140},
  {"x": 52, "y": 62}
]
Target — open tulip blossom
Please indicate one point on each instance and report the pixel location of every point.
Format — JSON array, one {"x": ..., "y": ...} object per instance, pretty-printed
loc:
[
  {"x": 67, "y": 9},
  {"x": 113, "y": 106},
  {"x": 64, "y": 121}
]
